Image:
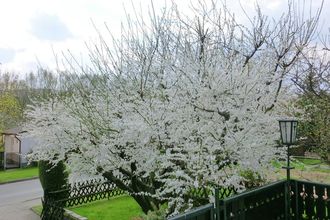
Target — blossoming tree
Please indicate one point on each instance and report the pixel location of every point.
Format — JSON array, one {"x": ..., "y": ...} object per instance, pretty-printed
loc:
[{"x": 178, "y": 103}]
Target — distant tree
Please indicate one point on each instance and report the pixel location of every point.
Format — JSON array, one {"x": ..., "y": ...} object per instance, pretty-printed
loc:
[
  {"x": 17, "y": 91},
  {"x": 11, "y": 113},
  {"x": 312, "y": 79}
]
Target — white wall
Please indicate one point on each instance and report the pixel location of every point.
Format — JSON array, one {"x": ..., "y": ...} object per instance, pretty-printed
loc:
[{"x": 26, "y": 147}]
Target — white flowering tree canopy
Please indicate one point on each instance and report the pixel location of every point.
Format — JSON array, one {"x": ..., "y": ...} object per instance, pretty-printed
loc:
[{"x": 177, "y": 103}]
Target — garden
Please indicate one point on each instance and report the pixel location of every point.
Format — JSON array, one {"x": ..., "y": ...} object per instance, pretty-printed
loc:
[
  {"x": 103, "y": 203},
  {"x": 309, "y": 169},
  {"x": 125, "y": 207},
  {"x": 178, "y": 119},
  {"x": 122, "y": 207}
]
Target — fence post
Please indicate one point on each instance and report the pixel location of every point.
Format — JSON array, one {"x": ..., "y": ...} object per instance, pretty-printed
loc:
[
  {"x": 217, "y": 205},
  {"x": 45, "y": 206},
  {"x": 286, "y": 201},
  {"x": 108, "y": 187},
  {"x": 296, "y": 197},
  {"x": 4, "y": 160}
]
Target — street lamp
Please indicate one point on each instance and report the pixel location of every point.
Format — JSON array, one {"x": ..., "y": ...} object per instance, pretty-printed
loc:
[{"x": 288, "y": 129}]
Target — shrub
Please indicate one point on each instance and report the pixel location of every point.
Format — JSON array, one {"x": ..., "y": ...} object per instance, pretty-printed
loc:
[
  {"x": 53, "y": 178},
  {"x": 158, "y": 214},
  {"x": 252, "y": 179}
]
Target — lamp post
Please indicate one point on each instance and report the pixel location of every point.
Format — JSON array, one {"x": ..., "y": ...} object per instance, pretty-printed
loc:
[{"x": 288, "y": 129}]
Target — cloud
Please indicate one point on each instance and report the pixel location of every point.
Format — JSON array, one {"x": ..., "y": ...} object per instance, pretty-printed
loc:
[
  {"x": 49, "y": 27},
  {"x": 33, "y": 30},
  {"x": 274, "y": 4},
  {"x": 7, "y": 55}
]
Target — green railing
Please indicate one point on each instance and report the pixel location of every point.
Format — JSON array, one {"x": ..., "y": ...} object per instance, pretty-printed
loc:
[
  {"x": 309, "y": 200},
  {"x": 266, "y": 201},
  {"x": 205, "y": 212}
]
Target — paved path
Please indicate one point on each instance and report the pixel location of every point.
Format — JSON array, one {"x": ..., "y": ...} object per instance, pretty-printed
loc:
[{"x": 16, "y": 199}]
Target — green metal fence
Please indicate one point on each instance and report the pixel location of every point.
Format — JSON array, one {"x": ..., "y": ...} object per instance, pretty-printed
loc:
[
  {"x": 267, "y": 202},
  {"x": 309, "y": 200},
  {"x": 205, "y": 212}
]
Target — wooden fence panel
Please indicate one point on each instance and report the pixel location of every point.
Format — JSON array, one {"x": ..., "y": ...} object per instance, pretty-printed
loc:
[
  {"x": 308, "y": 201},
  {"x": 313, "y": 200},
  {"x": 267, "y": 202},
  {"x": 86, "y": 192},
  {"x": 2, "y": 160},
  {"x": 205, "y": 212},
  {"x": 76, "y": 194}
]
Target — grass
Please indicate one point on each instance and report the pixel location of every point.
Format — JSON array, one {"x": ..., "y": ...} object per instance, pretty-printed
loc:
[
  {"x": 18, "y": 174},
  {"x": 301, "y": 163},
  {"x": 309, "y": 161},
  {"x": 298, "y": 165},
  {"x": 37, "y": 209},
  {"x": 126, "y": 208},
  {"x": 308, "y": 169},
  {"x": 123, "y": 208}
]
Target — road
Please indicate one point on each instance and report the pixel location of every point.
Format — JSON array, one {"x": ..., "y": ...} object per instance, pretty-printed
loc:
[{"x": 16, "y": 199}]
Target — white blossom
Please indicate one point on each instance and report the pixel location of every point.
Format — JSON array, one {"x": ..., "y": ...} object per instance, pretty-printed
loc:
[{"x": 188, "y": 101}]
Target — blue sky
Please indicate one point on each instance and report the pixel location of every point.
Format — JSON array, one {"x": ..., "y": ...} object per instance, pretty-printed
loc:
[{"x": 34, "y": 31}]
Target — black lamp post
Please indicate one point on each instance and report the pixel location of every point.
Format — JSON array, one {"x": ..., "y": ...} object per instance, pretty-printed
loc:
[{"x": 288, "y": 129}]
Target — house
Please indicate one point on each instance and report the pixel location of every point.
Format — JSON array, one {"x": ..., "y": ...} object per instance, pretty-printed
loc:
[{"x": 15, "y": 148}]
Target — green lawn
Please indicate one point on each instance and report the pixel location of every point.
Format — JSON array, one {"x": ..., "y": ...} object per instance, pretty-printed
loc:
[
  {"x": 301, "y": 163},
  {"x": 37, "y": 209},
  {"x": 18, "y": 174},
  {"x": 123, "y": 208},
  {"x": 308, "y": 161},
  {"x": 308, "y": 169}
]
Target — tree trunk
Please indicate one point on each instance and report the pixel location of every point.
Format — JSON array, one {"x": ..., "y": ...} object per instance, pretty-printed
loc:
[{"x": 147, "y": 203}]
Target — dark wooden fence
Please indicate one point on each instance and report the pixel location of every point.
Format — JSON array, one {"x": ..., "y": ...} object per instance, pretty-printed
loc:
[
  {"x": 12, "y": 160},
  {"x": 86, "y": 192},
  {"x": 76, "y": 194},
  {"x": 2, "y": 160},
  {"x": 51, "y": 210}
]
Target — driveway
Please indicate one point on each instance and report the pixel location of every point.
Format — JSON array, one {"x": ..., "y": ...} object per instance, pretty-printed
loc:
[{"x": 16, "y": 199}]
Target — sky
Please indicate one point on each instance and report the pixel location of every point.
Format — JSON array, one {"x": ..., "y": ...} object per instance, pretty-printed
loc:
[{"x": 35, "y": 32}]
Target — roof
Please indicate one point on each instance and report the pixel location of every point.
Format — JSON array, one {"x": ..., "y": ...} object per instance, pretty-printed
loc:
[{"x": 14, "y": 131}]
